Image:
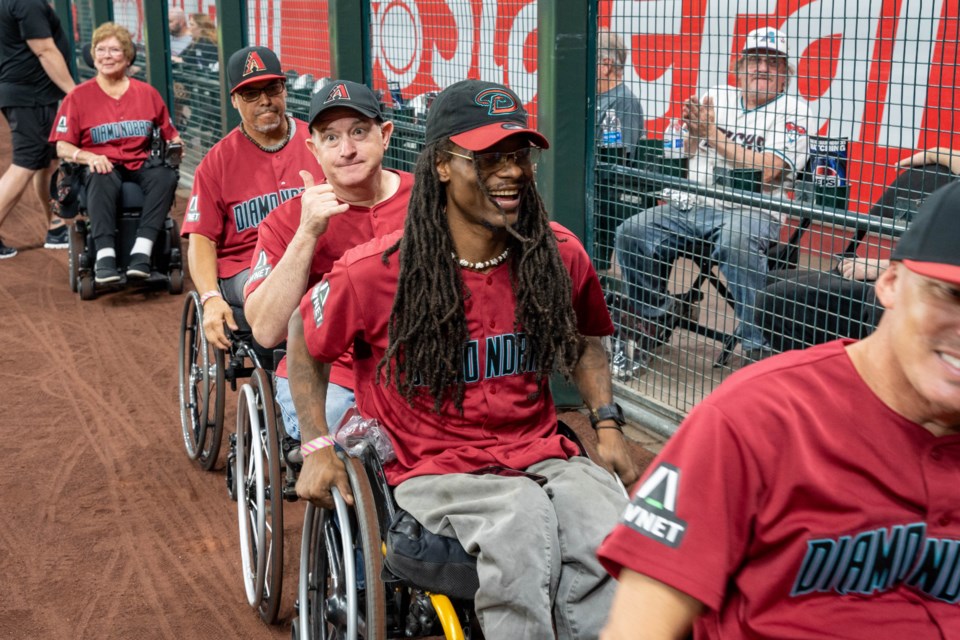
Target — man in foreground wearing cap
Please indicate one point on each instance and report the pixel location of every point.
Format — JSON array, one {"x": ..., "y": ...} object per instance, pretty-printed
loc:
[
  {"x": 813, "y": 495},
  {"x": 242, "y": 178},
  {"x": 754, "y": 125},
  {"x": 302, "y": 238},
  {"x": 462, "y": 318}
]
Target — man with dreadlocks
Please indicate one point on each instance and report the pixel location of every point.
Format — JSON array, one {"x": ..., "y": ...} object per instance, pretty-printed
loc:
[{"x": 488, "y": 298}]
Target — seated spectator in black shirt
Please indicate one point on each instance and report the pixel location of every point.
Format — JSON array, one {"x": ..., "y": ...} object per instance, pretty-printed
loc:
[{"x": 813, "y": 307}]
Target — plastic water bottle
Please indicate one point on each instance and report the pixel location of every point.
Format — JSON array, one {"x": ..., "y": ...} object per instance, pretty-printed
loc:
[
  {"x": 611, "y": 131},
  {"x": 673, "y": 140}
]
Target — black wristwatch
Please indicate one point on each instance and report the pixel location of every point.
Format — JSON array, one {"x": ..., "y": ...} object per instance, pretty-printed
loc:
[{"x": 610, "y": 411}]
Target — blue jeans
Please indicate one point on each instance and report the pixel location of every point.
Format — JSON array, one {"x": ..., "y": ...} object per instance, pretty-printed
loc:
[
  {"x": 339, "y": 399},
  {"x": 647, "y": 245}
]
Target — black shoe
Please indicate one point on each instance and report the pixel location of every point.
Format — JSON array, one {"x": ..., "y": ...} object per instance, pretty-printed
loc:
[
  {"x": 57, "y": 238},
  {"x": 139, "y": 266},
  {"x": 756, "y": 354},
  {"x": 6, "y": 252},
  {"x": 105, "y": 271}
]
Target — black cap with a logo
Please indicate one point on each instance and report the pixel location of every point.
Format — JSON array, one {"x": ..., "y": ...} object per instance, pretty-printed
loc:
[
  {"x": 477, "y": 115},
  {"x": 346, "y": 94},
  {"x": 251, "y": 64}
]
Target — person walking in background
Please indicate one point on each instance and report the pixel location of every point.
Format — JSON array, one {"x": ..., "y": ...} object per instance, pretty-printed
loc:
[{"x": 34, "y": 76}]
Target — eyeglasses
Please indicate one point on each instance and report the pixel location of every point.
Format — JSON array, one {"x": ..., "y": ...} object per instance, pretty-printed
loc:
[
  {"x": 772, "y": 62},
  {"x": 272, "y": 90},
  {"x": 108, "y": 51},
  {"x": 496, "y": 160}
]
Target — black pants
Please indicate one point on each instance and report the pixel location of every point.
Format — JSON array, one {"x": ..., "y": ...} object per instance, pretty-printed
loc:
[
  {"x": 814, "y": 307},
  {"x": 159, "y": 186}
]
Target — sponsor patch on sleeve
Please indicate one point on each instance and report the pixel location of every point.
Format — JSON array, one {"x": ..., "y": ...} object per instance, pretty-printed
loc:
[
  {"x": 262, "y": 269},
  {"x": 319, "y": 297},
  {"x": 62, "y": 124},
  {"x": 193, "y": 210},
  {"x": 652, "y": 512}
]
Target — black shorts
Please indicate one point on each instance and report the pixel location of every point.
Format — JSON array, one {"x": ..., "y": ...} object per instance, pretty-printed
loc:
[{"x": 30, "y": 128}]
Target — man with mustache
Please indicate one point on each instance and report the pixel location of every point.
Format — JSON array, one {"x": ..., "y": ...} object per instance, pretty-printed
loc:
[
  {"x": 754, "y": 125},
  {"x": 243, "y": 177}
]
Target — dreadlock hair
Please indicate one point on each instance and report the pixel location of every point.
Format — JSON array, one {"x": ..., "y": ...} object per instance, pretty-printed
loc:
[{"x": 428, "y": 326}]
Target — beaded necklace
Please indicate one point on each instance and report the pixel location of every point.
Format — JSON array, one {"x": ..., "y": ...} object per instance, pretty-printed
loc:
[
  {"x": 275, "y": 148},
  {"x": 480, "y": 266}
]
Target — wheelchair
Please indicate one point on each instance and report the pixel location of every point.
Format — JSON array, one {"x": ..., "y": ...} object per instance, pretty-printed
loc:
[
  {"x": 68, "y": 193},
  {"x": 346, "y": 589},
  {"x": 258, "y": 476}
]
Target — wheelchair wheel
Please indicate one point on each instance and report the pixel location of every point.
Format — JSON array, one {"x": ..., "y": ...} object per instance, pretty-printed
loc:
[
  {"x": 201, "y": 387},
  {"x": 87, "y": 288},
  {"x": 340, "y": 592},
  {"x": 259, "y": 496},
  {"x": 175, "y": 284},
  {"x": 74, "y": 248}
]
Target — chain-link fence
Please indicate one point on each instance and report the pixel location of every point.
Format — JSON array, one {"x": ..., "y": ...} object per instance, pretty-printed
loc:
[
  {"x": 745, "y": 213},
  {"x": 738, "y": 194}
]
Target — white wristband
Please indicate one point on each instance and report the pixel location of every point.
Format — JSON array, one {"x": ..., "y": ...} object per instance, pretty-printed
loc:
[{"x": 209, "y": 294}]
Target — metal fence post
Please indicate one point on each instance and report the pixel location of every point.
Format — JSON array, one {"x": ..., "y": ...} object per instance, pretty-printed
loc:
[
  {"x": 157, "y": 43},
  {"x": 102, "y": 11},
  {"x": 231, "y": 36},
  {"x": 350, "y": 40},
  {"x": 564, "y": 60}
]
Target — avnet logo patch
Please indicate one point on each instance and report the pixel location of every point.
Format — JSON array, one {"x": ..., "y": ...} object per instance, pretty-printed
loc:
[{"x": 653, "y": 510}]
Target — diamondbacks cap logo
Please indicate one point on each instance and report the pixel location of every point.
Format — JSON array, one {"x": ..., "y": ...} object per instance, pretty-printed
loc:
[
  {"x": 193, "y": 209},
  {"x": 62, "y": 124},
  {"x": 653, "y": 509},
  {"x": 339, "y": 92},
  {"x": 318, "y": 297},
  {"x": 497, "y": 102},
  {"x": 253, "y": 64}
]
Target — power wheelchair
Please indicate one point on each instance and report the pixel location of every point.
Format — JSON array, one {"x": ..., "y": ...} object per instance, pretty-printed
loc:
[
  {"x": 258, "y": 476},
  {"x": 68, "y": 194},
  {"x": 350, "y": 585}
]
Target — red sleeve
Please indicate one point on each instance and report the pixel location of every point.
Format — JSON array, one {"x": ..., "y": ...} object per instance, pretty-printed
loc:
[
  {"x": 688, "y": 524},
  {"x": 273, "y": 238},
  {"x": 205, "y": 210},
  {"x": 332, "y": 297},
  {"x": 66, "y": 126},
  {"x": 164, "y": 120},
  {"x": 593, "y": 318}
]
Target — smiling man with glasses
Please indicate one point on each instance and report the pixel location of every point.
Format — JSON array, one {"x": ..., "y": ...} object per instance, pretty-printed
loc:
[
  {"x": 243, "y": 177},
  {"x": 357, "y": 201},
  {"x": 459, "y": 322}
]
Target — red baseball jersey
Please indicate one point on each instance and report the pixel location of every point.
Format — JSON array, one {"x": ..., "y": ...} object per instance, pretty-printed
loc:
[
  {"x": 346, "y": 230},
  {"x": 237, "y": 184},
  {"x": 794, "y": 503},
  {"x": 501, "y": 424},
  {"x": 118, "y": 128}
]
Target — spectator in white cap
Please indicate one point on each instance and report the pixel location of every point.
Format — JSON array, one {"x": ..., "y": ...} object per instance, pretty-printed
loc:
[{"x": 754, "y": 125}]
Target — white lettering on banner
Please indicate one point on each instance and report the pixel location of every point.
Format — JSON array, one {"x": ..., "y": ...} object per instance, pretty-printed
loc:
[
  {"x": 843, "y": 103},
  {"x": 398, "y": 43}
]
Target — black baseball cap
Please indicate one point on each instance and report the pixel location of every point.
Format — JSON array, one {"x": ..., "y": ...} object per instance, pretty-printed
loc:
[
  {"x": 931, "y": 244},
  {"x": 477, "y": 115},
  {"x": 344, "y": 93},
  {"x": 251, "y": 64}
]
